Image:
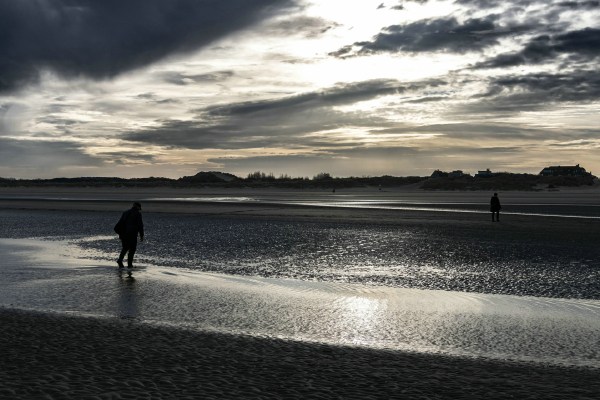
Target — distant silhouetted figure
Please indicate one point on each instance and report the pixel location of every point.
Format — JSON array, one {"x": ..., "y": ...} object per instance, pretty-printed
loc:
[
  {"x": 128, "y": 228},
  {"x": 495, "y": 207}
]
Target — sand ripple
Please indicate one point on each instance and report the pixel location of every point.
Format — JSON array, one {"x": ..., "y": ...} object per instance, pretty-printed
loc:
[
  {"x": 536, "y": 258},
  {"x": 49, "y": 357}
]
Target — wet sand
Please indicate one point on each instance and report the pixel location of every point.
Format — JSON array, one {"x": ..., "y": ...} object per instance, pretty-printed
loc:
[
  {"x": 55, "y": 276},
  {"x": 366, "y": 205},
  {"x": 169, "y": 333},
  {"x": 427, "y": 249},
  {"x": 276, "y": 202},
  {"x": 49, "y": 355},
  {"x": 58, "y": 357}
]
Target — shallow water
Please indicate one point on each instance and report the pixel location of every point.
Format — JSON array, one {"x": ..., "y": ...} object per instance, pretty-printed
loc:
[
  {"x": 511, "y": 260},
  {"x": 569, "y": 204},
  {"x": 556, "y": 208},
  {"x": 55, "y": 276}
]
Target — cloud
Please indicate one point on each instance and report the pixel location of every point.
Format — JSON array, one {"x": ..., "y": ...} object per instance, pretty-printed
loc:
[
  {"x": 310, "y": 27},
  {"x": 486, "y": 4},
  {"x": 444, "y": 34},
  {"x": 3, "y": 112},
  {"x": 577, "y": 5},
  {"x": 100, "y": 39},
  {"x": 580, "y": 45},
  {"x": 577, "y": 144},
  {"x": 283, "y": 131},
  {"x": 338, "y": 161},
  {"x": 181, "y": 79},
  {"x": 291, "y": 122},
  {"x": 337, "y": 95},
  {"x": 43, "y": 155},
  {"x": 126, "y": 157},
  {"x": 539, "y": 91},
  {"x": 481, "y": 132}
]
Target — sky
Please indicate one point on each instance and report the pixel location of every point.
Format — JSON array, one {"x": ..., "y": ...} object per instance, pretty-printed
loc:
[{"x": 169, "y": 88}]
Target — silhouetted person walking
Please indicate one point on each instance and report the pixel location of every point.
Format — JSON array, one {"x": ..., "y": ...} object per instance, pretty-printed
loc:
[
  {"x": 128, "y": 228},
  {"x": 495, "y": 207}
]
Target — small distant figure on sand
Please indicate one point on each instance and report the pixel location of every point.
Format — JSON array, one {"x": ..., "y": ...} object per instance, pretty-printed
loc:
[
  {"x": 128, "y": 228},
  {"x": 495, "y": 208}
]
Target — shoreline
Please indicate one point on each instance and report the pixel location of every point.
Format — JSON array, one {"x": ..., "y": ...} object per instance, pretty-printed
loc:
[
  {"x": 73, "y": 357},
  {"x": 54, "y": 276},
  {"x": 347, "y": 204}
]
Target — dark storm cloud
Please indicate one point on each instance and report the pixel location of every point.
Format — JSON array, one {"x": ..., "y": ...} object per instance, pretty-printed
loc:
[
  {"x": 100, "y": 39},
  {"x": 577, "y": 5},
  {"x": 195, "y": 135},
  {"x": 338, "y": 95},
  {"x": 580, "y": 46},
  {"x": 238, "y": 134},
  {"x": 444, "y": 34},
  {"x": 539, "y": 91},
  {"x": 287, "y": 122}
]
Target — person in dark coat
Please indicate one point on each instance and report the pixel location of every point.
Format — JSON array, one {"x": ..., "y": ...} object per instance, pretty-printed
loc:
[
  {"x": 495, "y": 207},
  {"x": 128, "y": 228}
]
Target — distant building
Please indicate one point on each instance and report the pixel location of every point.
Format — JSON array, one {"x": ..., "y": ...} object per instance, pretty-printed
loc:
[
  {"x": 485, "y": 174},
  {"x": 456, "y": 174},
  {"x": 439, "y": 174},
  {"x": 564, "y": 171}
]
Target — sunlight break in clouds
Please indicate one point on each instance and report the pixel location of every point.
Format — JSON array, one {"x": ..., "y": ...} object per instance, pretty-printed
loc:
[{"x": 296, "y": 87}]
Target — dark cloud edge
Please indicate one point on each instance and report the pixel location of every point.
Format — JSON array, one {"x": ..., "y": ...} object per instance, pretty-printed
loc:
[{"x": 102, "y": 39}]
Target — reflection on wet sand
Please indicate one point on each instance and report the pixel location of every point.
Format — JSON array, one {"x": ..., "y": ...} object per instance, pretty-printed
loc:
[
  {"x": 555, "y": 331},
  {"x": 127, "y": 299}
]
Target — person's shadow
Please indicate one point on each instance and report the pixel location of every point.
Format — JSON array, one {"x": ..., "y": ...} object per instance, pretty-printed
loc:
[{"x": 127, "y": 303}]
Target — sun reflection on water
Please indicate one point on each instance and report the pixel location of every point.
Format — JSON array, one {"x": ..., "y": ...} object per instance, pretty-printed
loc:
[{"x": 360, "y": 317}]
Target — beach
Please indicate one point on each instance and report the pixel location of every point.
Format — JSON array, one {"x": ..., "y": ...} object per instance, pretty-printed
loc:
[
  {"x": 49, "y": 356},
  {"x": 254, "y": 294}
]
